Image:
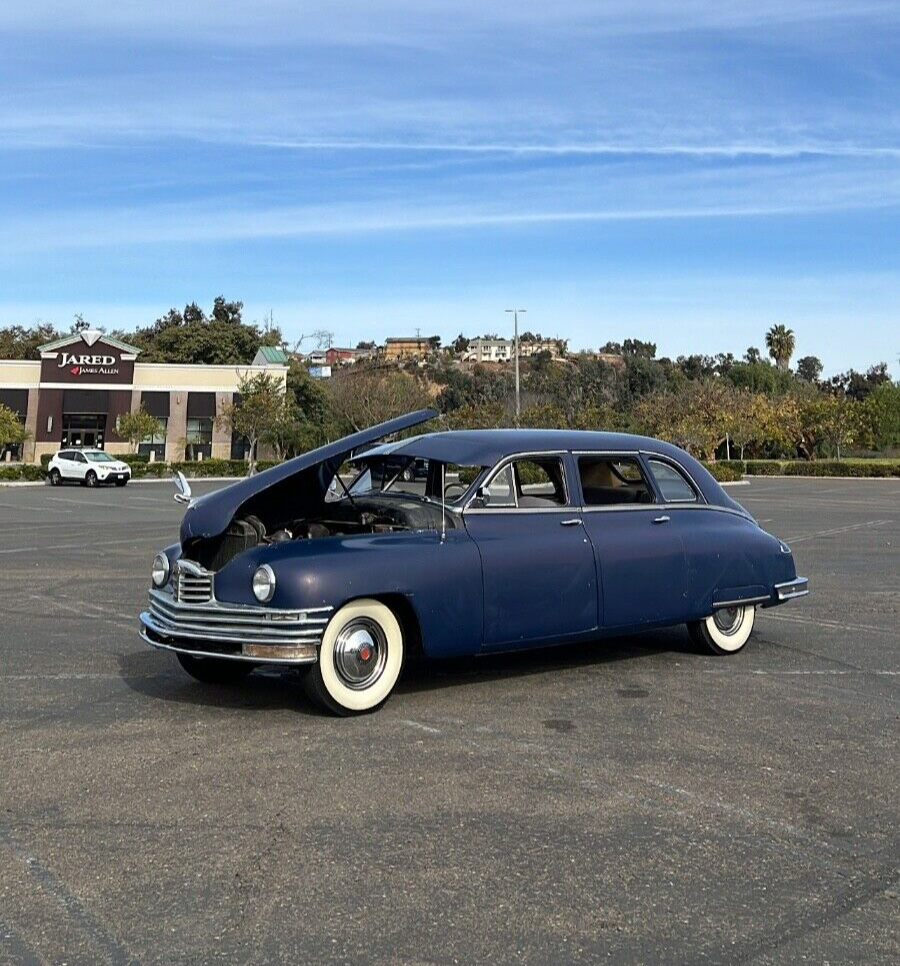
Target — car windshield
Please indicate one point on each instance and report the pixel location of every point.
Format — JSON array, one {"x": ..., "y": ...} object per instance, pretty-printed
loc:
[
  {"x": 407, "y": 475},
  {"x": 98, "y": 456}
]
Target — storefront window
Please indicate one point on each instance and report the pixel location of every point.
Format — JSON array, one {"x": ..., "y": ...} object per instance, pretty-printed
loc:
[
  {"x": 199, "y": 439},
  {"x": 156, "y": 443}
]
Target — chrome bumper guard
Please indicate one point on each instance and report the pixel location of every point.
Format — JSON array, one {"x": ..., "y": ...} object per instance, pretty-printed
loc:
[
  {"x": 793, "y": 588},
  {"x": 234, "y": 631}
]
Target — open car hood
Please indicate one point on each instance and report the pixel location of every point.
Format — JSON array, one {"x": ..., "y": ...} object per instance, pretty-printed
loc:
[{"x": 292, "y": 489}]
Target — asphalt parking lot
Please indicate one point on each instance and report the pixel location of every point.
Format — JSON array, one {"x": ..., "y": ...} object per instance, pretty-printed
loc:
[{"x": 631, "y": 801}]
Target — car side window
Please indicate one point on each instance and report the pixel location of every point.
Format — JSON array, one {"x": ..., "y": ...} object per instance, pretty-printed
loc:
[
  {"x": 64, "y": 455},
  {"x": 540, "y": 482},
  {"x": 79, "y": 457},
  {"x": 612, "y": 481},
  {"x": 672, "y": 484},
  {"x": 501, "y": 490}
]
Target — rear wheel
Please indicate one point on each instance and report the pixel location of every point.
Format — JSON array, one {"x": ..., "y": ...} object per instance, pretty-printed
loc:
[
  {"x": 213, "y": 670},
  {"x": 360, "y": 659},
  {"x": 90, "y": 479},
  {"x": 55, "y": 477},
  {"x": 726, "y": 631}
]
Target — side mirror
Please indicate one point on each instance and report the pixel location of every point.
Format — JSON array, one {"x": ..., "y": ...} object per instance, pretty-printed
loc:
[
  {"x": 182, "y": 489},
  {"x": 478, "y": 502}
]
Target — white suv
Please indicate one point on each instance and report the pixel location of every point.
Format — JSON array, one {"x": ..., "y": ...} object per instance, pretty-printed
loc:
[{"x": 88, "y": 466}]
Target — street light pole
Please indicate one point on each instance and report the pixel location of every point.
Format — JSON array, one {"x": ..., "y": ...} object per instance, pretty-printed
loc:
[{"x": 515, "y": 314}]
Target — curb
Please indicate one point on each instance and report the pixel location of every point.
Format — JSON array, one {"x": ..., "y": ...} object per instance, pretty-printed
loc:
[
  {"x": 164, "y": 479},
  {"x": 736, "y": 483}
]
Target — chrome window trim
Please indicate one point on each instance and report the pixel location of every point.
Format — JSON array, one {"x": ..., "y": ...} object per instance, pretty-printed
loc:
[
  {"x": 500, "y": 464},
  {"x": 629, "y": 507}
]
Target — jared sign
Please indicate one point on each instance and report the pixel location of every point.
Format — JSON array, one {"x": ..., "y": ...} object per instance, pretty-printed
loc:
[{"x": 84, "y": 365}]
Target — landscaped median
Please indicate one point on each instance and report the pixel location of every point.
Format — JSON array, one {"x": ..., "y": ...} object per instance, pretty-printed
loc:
[{"x": 858, "y": 468}]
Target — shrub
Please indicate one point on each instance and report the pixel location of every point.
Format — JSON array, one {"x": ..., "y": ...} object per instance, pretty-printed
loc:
[
  {"x": 45, "y": 460},
  {"x": 764, "y": 467},
  {"x": 723, "y": 472},
  {"x": 27, "y": 472},
  {"x": 854, "y": 468}
]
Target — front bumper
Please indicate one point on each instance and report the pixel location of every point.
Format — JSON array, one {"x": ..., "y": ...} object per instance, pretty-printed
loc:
[
  {"x": 264, "y": 635},
  {"x": 799, "y": 587}
]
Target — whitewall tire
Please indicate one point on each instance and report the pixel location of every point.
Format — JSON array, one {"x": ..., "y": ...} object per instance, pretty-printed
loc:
[
  {"x": 726, "y": 631},
  {"x": 360, "y": 659}
]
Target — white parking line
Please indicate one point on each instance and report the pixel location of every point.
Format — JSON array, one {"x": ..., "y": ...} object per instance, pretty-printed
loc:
[
  {"x": 824, "y": 622},
  {"x": 828, "y": 533}
]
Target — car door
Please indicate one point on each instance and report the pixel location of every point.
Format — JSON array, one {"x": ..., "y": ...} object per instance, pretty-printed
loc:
[
  {"x": 538, "y": 567},
  {"x": 63, "y": 463},
  {"x": 640, "y": 556},
  {"x": 79, "y": 466}
]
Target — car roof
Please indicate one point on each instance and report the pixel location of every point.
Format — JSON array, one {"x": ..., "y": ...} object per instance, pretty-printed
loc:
[{"x": 485, "y": 447}]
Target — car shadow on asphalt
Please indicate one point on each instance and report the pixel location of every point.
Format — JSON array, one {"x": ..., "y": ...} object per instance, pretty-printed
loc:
[
  {"x": 423, "y": 674},
  {"x": 157, "y": 675}
]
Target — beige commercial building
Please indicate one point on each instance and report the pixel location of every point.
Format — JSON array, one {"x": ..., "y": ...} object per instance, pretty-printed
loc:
[{"x": 75, "y": 392}]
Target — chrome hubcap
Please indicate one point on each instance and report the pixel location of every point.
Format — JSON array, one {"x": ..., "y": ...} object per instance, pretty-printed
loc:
[
  {"x": 360, "y": 653},
  {"x": 728, "y": 619}
]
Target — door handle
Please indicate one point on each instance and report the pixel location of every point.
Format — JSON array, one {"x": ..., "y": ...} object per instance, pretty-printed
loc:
[
  {"x": 570, "y": 523},
  {"x": 663, "y": 519}
]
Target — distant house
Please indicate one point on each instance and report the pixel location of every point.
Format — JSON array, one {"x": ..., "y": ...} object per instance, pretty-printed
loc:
[
  {"x": 270, "y": 355},
  {"x": 336, "y": 356},
  {"x": 404, "y": 347},
  {"x": 489, "y": 350},
  {"x": 542, "y": 345},
  {"x": 317, "y": 357}
]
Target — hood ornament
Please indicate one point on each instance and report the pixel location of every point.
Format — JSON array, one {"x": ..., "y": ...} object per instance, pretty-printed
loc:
[{"x": 182, "y": 489}]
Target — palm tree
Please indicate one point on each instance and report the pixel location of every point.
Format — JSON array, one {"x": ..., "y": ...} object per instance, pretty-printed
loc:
[{"x": 780, "y": 343}]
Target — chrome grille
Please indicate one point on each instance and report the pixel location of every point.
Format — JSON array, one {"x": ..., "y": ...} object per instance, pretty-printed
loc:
[
  {"x": 192, "y": 584},
  {"x": 233, "y": 623}
]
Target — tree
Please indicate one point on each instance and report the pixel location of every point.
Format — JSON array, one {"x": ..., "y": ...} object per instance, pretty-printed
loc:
[
  {"x": 191, "y": 337},
  {"x": 635, "y": 347},
  {"x": 137, "y": 426},
  {"x": 858, "y": 385},
  {"x": 261, "y": 407},
  {"x": 18, "y": 342},
  {"x": 752, "y": 356},
  {"x": 12, "y": 432},
  {"x": 882, "y": 412},
  {"x": 809, "y": 368},
  {"x": 460, "y": 344},
  {"x": 361, "y": 398},
  {"x": 780, "y": 343}
]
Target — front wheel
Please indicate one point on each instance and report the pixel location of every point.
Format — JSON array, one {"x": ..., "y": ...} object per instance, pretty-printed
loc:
[
  {"x": 90, "y": 479},
  {"x": 359, "y": 659},
  {"x": 726, "y": 631},
  {"x": 213, "y": 670}
]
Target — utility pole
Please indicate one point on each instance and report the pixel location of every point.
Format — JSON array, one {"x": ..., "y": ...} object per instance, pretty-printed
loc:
[{"x": 515, "y": 315}]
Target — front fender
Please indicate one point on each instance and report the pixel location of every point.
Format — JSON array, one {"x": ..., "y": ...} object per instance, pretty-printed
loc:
[{"x": 439, "y": 577}]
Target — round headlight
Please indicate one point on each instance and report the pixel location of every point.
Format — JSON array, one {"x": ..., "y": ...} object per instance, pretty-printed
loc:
[
  {"x": 264, "y": 584},
  {"x": 159, "y": 572}
]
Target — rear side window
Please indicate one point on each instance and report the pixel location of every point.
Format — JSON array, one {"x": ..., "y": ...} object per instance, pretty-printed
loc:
[
  {"x": 672, "y": 483},
  {"x": 612, "y": 481}
]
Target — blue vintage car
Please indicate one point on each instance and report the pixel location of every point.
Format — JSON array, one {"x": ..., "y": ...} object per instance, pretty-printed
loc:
[{"x": 511, "y": 539}]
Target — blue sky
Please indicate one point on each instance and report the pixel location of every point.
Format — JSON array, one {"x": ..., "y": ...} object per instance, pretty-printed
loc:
[{"x": 686, "y": 172}]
